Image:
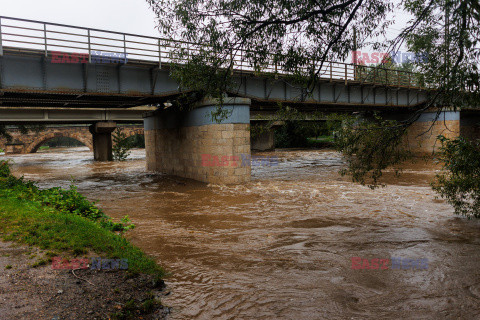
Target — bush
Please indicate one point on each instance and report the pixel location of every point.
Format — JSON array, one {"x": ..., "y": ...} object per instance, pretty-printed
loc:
[
  {"x": 64, "y": 221},
  {"x": 4, "y": 169},
  {"x": 136, "y": 141},
  {"x": 459, "y": 182},
  {"x": 369, "y": 146}
]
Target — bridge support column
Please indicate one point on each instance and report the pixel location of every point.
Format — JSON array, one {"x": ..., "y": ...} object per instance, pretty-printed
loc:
[
  {"x": 422, "y": 135},
  {"x": 264, "y": 140},
  {"x": 102, "y": 140},
  {"x": 192, "y": 145}
]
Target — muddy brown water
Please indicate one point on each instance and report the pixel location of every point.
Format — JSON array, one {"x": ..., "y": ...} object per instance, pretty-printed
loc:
[{"x": 280, "y": 247}]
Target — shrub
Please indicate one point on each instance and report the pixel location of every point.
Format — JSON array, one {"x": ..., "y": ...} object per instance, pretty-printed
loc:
[
  {"x": 64, "y": 200},
  {"x": 459, "y": 182}
]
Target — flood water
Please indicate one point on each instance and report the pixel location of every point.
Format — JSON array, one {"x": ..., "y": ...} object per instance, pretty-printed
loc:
[{"x": 280, "y": 247}]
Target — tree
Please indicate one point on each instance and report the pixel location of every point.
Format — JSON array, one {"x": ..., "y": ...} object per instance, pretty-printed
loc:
[
  {"x": 121, "y": 145},
  {"x": 448, "y": 31},
  {"x": 290, "y": 33}
]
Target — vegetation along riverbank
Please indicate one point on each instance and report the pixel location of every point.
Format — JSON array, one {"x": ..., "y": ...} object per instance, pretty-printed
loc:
[{"x": 96, "y": 273}]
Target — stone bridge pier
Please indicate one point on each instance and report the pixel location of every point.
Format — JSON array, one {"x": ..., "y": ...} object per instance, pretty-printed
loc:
[
  {"x": 421, "y": 136},
  {"x": 192, "y": 145}
]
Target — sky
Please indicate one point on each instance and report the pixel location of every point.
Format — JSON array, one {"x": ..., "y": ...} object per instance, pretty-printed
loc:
[{"x": 129, "y": 16}]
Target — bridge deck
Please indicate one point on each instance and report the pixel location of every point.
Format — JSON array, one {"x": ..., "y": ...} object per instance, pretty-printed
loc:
[{"x": 50, "y": 65}]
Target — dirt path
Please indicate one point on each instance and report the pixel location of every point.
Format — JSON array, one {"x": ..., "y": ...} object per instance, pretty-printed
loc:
[{"x": 44, "y": 293}]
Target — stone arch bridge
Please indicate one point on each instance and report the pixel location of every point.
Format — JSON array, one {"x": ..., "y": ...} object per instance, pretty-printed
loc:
[{"x": 31, "y": 141}]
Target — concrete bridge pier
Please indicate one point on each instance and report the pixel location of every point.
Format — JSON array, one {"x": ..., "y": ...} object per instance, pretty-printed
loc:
[
  {"x": 192, "y": 145},
  {"x": 102, "y": 140}
]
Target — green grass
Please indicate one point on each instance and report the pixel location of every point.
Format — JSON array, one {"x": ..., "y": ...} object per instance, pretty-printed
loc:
[
  {"x": 321, "y": 141},
  {"x": 27, "y": 218},
  {"x": 44, "y": 148}
]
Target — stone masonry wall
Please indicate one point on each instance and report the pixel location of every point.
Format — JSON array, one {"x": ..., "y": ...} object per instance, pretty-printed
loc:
[
  {"x": 422, "y": 139},
  {"x": 209, "y": 153},
  {"x": 30, "y": 142}
]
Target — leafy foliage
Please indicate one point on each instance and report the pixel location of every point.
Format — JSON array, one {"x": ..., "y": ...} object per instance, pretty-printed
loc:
[
  {"x": 459, "y": 182},
  {"x": 449, "y": 32},
  {"x": 63, "y": 142},
  {"x": 293, "y": 128},
  {"x": 29, "y": 222},
  {"x": 64, "y": 200},
  {"x": 390, "y": 73},
  {"x": 290, "y": 34},
  {"x": 137, "y": 141},
  {"x": 369, "y": 146},
  {"x": 64, "y": 221},
  {"x": 121, "y": 145},
  {"x": 4, "y": 169}
]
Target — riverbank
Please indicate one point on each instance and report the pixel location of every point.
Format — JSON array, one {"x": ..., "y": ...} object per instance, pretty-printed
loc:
[
  {"x": 28, "y": 292},
  {"x": 41, "y": 225}
]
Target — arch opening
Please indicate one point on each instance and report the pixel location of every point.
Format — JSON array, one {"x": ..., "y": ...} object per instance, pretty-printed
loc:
[{"x": 52, "y": 141}]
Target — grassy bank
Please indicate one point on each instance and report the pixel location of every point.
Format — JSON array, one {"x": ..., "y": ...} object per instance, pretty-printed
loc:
[{"x": 62, "y": 221}]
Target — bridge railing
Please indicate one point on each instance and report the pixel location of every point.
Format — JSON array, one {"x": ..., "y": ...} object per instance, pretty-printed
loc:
[{"x": 66, "y": 43}]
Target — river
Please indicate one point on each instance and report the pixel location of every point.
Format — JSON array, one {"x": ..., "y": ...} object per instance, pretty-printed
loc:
[{"x": 281, "y": 246}]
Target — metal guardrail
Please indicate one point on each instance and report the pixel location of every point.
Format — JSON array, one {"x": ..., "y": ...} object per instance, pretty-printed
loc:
[{"x": 53, "y": 37}]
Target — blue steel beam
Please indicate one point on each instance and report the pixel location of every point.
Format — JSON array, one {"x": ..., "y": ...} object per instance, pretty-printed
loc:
[{"x": 30, "y": 79}]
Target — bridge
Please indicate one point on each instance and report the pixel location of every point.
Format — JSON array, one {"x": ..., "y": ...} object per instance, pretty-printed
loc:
[
  {"x": 31, "y": 141},
  {"x": 100, "y": 142},
  {"x": 49, "y": 65}
]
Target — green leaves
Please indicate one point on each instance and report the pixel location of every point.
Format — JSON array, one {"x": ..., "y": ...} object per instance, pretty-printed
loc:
[
  {"x": 64, "y": 200},
  {"x": 121, "y": 146},
  {"x": 288, "y": 34},
  {"x": 449, "y": 32},
  {"x": 4, "y": 169},
  {"x": 369, "y": 145},
  {"x": 459, "y": 182}
]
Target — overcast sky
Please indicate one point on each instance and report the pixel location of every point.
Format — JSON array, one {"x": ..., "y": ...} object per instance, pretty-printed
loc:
[{"x": 130, "y": 16}]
